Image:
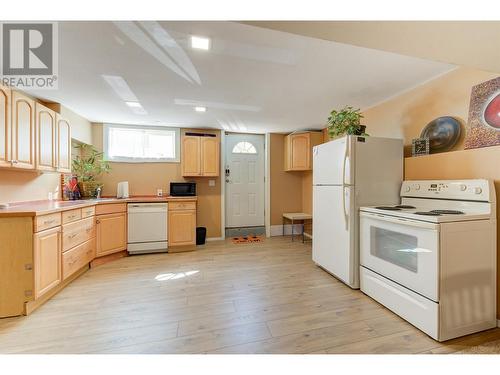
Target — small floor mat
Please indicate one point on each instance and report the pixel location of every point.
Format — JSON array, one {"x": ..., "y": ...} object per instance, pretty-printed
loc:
[{"x": 247, "y": 239}]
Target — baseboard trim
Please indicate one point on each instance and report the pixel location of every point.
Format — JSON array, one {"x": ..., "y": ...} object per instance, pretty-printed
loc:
[
  {"x": 215, "y": 239},
  {"x": 277, "y": 230},
  {"x": 31, "y": 306}
]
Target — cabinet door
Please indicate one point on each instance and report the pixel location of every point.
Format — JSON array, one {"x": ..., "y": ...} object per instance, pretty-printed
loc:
[
  {"x": 191, "y": 158},
  {"x": 63, "y": 145},
  {"x": 181, "y": 228},
  {"x": 45, "y": 138},
  {"x": 300, "y": 159},
  {"x": 23, "y": 131},
  {"x": 111, "y": 233},
  {"x": 210, "y": 156},
  {"x": 5, "y": 124},
  {"x": 47, "y": 260}
]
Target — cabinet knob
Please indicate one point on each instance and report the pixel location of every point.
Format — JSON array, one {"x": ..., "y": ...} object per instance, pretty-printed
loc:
[{"x": 98, "y": 221}]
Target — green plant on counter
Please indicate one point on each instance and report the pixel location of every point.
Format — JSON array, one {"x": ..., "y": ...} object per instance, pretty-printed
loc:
[
  {"x": 346, "y": 121},
  {"x": 87, "y": 167}
]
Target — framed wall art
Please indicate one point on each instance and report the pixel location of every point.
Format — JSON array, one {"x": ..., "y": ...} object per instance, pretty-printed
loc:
[{"x": 483, "y": 126}]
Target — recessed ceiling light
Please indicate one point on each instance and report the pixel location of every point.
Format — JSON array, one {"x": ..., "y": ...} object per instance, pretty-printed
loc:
[
  {"x": 200, "y": 109},
  {"x": 199, "y": 42},
  {"x": 133, "y": 104}
]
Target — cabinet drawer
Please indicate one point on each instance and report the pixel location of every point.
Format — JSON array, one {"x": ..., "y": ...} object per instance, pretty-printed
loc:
[
  {"x": 103, "y": 209},
  {"x": 72, "y": 215},
  {"x": 47, "y": 221},
  {"x": 77, "y": 257},
  {"x": 78, "y": 232},
  {"x": 88, "y": 212},
  {"x": 173, "y": 206}
]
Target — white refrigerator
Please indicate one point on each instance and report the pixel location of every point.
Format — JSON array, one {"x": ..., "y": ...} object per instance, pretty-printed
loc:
[{"x": 348, "y": 173}]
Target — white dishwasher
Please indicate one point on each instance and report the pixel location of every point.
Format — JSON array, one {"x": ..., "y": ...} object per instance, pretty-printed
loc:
[{"x": 147, "y": 228}]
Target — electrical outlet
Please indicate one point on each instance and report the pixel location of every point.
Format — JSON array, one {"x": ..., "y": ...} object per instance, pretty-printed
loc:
[
  {"x": 211, "y": 182},
  {"x": 159, "y": 192}
]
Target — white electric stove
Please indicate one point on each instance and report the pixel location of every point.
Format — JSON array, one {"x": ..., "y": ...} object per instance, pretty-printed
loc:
[{"x": 432, "y": 258}]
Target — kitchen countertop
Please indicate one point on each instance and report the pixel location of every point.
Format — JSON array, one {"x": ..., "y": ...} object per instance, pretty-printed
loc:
[{"x": 44, "y": 207}]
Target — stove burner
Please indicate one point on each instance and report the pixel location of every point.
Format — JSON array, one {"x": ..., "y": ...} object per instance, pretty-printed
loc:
[
  {"x": 428, "y": 213},
  {"x": 448, "y": 212},
  {"x": 405, "y": 206},
  {"x": 388, "y": 208}
]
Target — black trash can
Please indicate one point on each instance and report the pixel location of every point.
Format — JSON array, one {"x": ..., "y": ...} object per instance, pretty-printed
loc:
[{"x": 201, "y": 235}]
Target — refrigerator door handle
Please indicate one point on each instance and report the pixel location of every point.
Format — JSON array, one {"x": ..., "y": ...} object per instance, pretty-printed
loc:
[
  {"x": 346, "y": 214},
  {"x": 345, "y": 160}
]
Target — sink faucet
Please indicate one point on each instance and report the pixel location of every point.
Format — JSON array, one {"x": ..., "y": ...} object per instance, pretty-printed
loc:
[{"x": 98, "y": 191}]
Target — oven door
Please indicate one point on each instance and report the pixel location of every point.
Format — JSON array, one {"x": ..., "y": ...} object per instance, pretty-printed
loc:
[{"x": 404, "y": 251}]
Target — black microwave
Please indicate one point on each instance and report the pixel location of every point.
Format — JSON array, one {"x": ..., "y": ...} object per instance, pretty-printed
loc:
[{"x": 182, "y": 189}]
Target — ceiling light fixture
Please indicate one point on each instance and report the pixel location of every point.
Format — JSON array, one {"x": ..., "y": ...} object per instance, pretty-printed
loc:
[
  {"x": 199, "y": 42},
  {"x": 200, "y": 109}
]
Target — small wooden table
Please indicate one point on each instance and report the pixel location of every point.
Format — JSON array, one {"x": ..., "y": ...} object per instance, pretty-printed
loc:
[{"x": 296, "y": 216}]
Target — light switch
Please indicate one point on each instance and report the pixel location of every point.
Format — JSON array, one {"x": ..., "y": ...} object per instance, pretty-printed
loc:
[{"x": 211, "y": 182}]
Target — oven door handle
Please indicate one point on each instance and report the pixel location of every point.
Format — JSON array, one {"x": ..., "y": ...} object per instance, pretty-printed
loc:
[{"x": 402, "y": 221}]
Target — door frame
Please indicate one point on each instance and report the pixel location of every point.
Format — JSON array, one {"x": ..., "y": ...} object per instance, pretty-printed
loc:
[{"x": 267, "y": 182}]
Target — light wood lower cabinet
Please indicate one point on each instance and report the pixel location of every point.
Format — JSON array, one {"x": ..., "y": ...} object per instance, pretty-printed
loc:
[
  {"x": 77, "y": 257},
  {"x": 47, "y": 260},
  {"x": 111, "y": 233},
  {"x": 181, "y": 227}
]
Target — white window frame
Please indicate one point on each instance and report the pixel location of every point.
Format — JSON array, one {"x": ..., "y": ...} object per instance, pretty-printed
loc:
[{"x": 122, "y": 159}]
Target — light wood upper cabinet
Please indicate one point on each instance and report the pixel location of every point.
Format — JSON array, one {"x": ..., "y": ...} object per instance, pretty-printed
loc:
[
  {"x": 47, "y": 260},
  {"x": 298, "y": 150},
  {"x": 5, "y": 125},
  {"x": 23, "y": 131},
  {"x": 111, "y": 233},
  {"x": 210, "y": 156},
  {"x": 63, "y": 143},
  {"x": 200, "y": 156},
  {"x": 46, "y": 149},
  {"x": 191, "y": 158}
]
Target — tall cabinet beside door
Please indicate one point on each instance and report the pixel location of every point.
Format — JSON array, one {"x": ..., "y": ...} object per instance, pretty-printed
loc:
[
  {"x": 23, "y": 131},
  {"x": 5, "y": 126},
  {"x": 200, "y": 155}
]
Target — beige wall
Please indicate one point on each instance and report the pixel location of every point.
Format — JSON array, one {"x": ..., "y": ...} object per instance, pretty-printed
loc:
[
  {"x": 21, "y": 186},
  {"x": 406, "y": 115},
  {"x": 145, "y": 178},
  {"x": 286, "y": 187},
  {"x": 81, "y": 128}
]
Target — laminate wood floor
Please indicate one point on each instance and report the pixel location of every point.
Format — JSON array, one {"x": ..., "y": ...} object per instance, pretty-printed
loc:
[{"x": 223, "y": 298}]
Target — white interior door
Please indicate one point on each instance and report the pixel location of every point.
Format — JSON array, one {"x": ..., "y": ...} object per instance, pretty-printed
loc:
[{"x": 244, "y": 174}]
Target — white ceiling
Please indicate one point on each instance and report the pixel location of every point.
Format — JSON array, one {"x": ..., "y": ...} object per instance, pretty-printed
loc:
[{"x": 252, "y": 79}]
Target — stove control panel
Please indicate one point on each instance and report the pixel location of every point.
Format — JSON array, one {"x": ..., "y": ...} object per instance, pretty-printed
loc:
[{"x": 472, "y": 190}]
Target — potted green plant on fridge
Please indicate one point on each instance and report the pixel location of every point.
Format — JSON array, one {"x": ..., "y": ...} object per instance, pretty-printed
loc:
[
  {"x": 346, "y": 121},
  {"x": 87, "y": 167}
]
